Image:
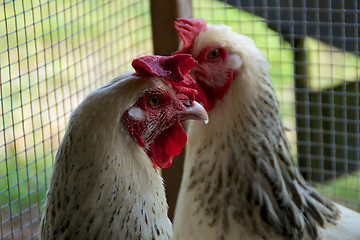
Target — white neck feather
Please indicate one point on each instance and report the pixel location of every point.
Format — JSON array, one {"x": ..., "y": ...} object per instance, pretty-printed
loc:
[{"x": 242, "y": 160}]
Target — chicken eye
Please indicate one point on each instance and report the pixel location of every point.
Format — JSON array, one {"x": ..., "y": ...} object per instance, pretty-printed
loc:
[
  {"x": 213, "y": 54},
  {"x": 153, "y": 100}
]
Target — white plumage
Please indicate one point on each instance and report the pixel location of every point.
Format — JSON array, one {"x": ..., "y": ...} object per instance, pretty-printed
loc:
[
  {"x": 104, "y": 183},
  {"x": 240, "y": 180}
]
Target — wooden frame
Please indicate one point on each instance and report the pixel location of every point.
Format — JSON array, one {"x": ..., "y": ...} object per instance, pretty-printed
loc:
[{"x": 166, "y": 40}]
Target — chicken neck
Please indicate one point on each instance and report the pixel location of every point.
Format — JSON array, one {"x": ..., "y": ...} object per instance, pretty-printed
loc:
[{"x": 241, "y": 167}]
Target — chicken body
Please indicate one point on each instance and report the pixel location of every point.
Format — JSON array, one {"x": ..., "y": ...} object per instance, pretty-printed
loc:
[
  {"x": 240, "y": 180},
  {"x": 104, "y": 183}
]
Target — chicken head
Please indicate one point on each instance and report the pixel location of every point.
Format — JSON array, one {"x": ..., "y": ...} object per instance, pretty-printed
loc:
[{"x": 154, "y": 120}]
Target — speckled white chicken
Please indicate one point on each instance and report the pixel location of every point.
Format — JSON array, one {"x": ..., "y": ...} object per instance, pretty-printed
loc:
[
  {"x": 104, "y": 183},
  {"x": 240, "y": 180}
]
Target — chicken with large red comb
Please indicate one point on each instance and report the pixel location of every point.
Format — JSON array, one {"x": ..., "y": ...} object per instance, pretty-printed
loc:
[
  {"x": 240, "y": 178},
  {"x": 104, "y": 183}
]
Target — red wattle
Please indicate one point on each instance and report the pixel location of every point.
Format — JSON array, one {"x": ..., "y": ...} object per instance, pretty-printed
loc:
[
  {"x": 167, "y": 145},
  {"x": 205, "y": 96},
  {"x": 208, "y": 95}
]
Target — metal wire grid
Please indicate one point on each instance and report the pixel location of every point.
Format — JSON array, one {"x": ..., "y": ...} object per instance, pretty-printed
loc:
[
  {"x": 312, "y": 47},
  {"x": 52, "y": 53}
]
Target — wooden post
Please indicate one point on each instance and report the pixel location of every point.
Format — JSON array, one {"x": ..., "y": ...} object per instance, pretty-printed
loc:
[
  {"x": 163, "y": 14},
  {"x": 166, "y": 40}
]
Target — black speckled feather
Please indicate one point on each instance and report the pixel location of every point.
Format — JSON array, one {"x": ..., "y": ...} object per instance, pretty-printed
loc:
[
  {"x": 103, "y": 185},
  {"x": 240, "y": 179}
]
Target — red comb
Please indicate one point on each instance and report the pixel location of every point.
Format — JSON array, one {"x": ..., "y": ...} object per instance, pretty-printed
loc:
[
  {"x": 173, "y": 68},
  {"x": 188, "y": 30}
]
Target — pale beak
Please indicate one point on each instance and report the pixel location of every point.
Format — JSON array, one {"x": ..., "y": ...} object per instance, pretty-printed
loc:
[{"x": 194, "y": 112}]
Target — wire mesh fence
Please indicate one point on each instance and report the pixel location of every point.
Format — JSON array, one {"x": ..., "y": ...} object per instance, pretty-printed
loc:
[{"x": 54, "y": 52}]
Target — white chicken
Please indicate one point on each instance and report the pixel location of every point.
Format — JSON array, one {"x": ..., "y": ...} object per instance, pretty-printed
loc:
[
  {"x": 240, "y": 180},
  {"x": 104, "y": 183}
]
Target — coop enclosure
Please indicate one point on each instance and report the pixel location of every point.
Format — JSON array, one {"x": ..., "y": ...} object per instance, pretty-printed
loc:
[{"x": 54, "y": 52}]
